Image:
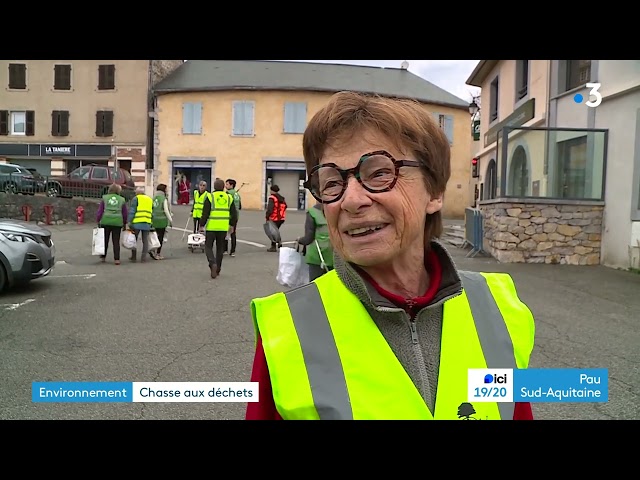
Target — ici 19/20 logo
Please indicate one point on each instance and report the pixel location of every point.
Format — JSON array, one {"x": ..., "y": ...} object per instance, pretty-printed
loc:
[{"x": 488, "y": 378}]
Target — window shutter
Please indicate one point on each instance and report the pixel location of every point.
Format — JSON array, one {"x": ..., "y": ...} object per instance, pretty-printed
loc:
[
  {"x": 111, "y": 77},
  {"x": 187, "y": 118},
  {"x": 64, "y": 124},
  {"x": 67, "y": 77},
  {"x": 237, "y": 118},
  {"x": 4, "y": 122},
  {"x": 108, "y": 124},
  {"x": 99, "y": 124},
  {"x": 289, "y": 123},
  {"x": 30, "y": 127},
  {"x": 197, "y": 118},
  {"x": 55, "y": 116},
  {"x": 248, "y": 118},
  {"x": 448, "y": 128},
  {"x": 101, "y": 77}
]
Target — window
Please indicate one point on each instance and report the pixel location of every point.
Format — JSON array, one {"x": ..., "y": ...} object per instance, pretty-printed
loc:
[
  {"x": 446, "y": 123},
  {"x": 106, "y": 77},
  {"x": 493, "y": 100},
  {"x": 17, "y": 123},
  {"x": 490, "y": 190},
  {"x": 104, "y": 123},
  {"x": 192, "y": 118},
  {"x": 572, "y": 168},
  {"x": 125, "y": 165},
  {"x": 59, "y": 123},
  {"x": 62, "y": 77},
  {"x": 576, "y": 74},
  {"x": 100, "y": 173},
  {"x": 17, "y": 76},
  {"x": 522, "y": 79},
  {"x": 519, "y": 174},
  {"x": 243, "y": 118},
  {"x": 295, "y": 117},
  {"x": 81, "y": 173}
]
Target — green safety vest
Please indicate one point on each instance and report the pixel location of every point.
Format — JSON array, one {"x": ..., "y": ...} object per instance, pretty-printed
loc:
[
  {"x": 160, "y": 219},
  {"x": 322, "y": 237},
  {"x": 198, "y": 203},
  {"x": 236, "y": 198},
  {"x": 328, "y": 360},
  {"x": 112, "y": 215},
  {"x": 143, "y": 210},
  {"x": 220, "y": 212}
]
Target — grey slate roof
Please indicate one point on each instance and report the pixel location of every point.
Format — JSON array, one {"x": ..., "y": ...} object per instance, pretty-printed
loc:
[{"x": 212, "y": 75}]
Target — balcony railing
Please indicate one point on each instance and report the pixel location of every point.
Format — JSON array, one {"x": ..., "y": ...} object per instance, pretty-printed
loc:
[{"x": 552, "y": 163}]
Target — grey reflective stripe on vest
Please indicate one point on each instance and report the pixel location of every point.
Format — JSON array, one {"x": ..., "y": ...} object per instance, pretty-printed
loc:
[
  {"x": 323, "y": 364},
  {"x": 320, "y": 353},
  {"x": 495, "y": 340}
]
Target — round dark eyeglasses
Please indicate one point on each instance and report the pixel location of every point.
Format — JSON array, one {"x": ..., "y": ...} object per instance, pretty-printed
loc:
[{"x": 376, "y": 171}]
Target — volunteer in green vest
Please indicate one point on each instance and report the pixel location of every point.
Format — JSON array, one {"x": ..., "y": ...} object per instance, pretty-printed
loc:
[
  {"x": 218, "y": 214},
  {"x": 140, "y": 217},
  {"x": 199, "y": 196},
  {"x": 319, "y": 252},
  {"x": 230, "y": 185},
  {"x": 161, "y": 218},
  {"x": 393, "y": 330},
  {"x": 112, "y": 217}
]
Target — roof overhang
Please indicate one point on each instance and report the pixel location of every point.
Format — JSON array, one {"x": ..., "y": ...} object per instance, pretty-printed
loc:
[{"x": 480, "y": 73}]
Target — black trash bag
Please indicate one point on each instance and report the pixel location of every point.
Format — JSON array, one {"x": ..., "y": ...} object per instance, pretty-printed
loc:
[{"x": 272, "y": 232}]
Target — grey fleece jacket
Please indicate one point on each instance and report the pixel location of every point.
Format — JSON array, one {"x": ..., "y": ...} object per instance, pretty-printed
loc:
[{"x": 416, "y": 343}]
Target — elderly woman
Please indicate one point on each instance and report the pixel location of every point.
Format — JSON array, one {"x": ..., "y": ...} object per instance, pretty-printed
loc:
[
  {"x": 112, "y": 217},
  {"x": 391, "y": 332}
]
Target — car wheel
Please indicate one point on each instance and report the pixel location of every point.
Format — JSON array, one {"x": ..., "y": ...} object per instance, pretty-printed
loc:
[
  {"x": 54, "y": 190},
  {"x": 10, "y": 188},
  {"x": 3, "y": 278}
]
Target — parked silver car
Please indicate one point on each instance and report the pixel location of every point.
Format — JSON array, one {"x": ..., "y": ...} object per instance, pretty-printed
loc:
[{"x": 27, "y": 252}]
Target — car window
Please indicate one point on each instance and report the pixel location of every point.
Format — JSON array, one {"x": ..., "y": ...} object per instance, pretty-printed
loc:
[
  {"x": 116, "y": 175},
  {"x": 24, "y": 170},
  {"x": 81, "y": 173},
  {"x": 100, "y": 173},
  {"x": 4, "y": 169}
]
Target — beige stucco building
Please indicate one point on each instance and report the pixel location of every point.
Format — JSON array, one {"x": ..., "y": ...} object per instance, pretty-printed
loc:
[
  {"x": 560, "y": 164},
  {"x": 245, "y": 119},
  {"x": 56, "y": 115}
]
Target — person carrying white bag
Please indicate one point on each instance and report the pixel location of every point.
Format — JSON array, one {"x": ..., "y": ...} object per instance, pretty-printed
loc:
[
  {"x": 111, "y": 218},
  {"x": 292, "y": 270},
  {"x": 318, "y": 256}
]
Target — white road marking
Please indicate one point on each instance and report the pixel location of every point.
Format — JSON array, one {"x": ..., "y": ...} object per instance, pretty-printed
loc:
[
  {"x": 246, "y": 242},
  {"x": 61, "y": 262},
  {"x": 83, "y": 275},
  {"x": 15, "y": 306}
]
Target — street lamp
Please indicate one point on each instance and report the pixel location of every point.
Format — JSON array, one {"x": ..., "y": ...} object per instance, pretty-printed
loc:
[{"x": 474, "y": 108}]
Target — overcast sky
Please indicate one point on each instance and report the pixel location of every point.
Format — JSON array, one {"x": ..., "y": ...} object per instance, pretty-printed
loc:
[{"x": 449, "y": 75}]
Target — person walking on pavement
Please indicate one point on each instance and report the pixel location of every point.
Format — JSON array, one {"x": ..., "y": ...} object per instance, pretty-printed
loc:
[
  {"x": 319, "y": 252},
  {"x": 276, "y": 212},
  {"x": 140, "y": 218},
  {"x": 161, "y": 218},
  {"x": 112, "y": 217},
  {"x": 230, "y": 185},
  {"x": 392, "y": 331},
  {"x": 199, "y": 197},
  {"x": 218, "y": 213}
]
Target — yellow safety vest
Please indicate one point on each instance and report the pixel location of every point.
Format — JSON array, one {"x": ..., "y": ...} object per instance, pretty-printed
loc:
[
  {"x": 198, "y": 203},
  {"x": 143, "y": 210},
  {"x": 220, "y": 211},
  {"x": 328, "y": 359}
]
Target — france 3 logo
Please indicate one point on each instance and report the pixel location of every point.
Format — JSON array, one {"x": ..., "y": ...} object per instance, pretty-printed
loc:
[{"x": 490, "y": 385}]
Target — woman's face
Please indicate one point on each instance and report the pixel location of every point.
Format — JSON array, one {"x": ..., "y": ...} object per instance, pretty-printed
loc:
[{"x": 401, "y": 212}]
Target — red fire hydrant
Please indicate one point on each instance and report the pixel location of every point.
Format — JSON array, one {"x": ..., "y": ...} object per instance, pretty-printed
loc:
[
  {"x": 80, "y": 214},
  {"x": 48, "y": 213},
  {"x": 26, "y": 211}
]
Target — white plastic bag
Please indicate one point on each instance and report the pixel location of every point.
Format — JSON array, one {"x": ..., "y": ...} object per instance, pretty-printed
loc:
[
  {"x": 97, "y": 244},
  {"x": 291, "y": 268},
  {"x": 153, "y": 240},
  {"x": 128, "y": 240}
]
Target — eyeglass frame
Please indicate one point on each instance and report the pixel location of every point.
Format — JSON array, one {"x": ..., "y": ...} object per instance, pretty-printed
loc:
[{"x": 355, "y": 171}]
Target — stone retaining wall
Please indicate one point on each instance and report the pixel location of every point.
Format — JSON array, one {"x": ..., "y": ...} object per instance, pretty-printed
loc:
[
  {"x": 64, "y": 209},
  {"x": 536, "y": 231}
]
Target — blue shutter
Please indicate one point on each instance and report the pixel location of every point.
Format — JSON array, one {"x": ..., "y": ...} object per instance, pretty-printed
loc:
[
  {"x": 196, "y": 116},
  {"x": 448, "y": 128},
  {"x": 237, "y": 118},
  {"x": 248, "y": 118},
  {"x": 301, "y": 117},
  {"x": 187, "y": 118},
  {"x": 436, "y": 117},
  {"x": 289, "y": 119}
]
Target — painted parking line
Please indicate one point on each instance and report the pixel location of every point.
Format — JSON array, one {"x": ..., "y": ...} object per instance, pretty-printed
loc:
[
  {"x": 246, "y": 242},
  {"x": 15, "y": 306},
  {"x": 79, "y": 275}
]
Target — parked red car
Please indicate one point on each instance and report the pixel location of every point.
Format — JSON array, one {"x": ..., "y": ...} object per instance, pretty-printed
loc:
[{"x": 91, "y": 181}]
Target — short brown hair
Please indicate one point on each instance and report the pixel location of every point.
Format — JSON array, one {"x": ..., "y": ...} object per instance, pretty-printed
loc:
[
  {"x": 404, "y": 121},
  {"x": 115, "y": 188}
]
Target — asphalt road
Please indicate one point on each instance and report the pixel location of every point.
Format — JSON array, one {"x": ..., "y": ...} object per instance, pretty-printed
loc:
[{"x": 168, "y": 321}]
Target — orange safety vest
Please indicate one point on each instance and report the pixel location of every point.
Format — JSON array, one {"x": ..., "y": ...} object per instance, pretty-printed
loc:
[{"x": 279, "y": 209}]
